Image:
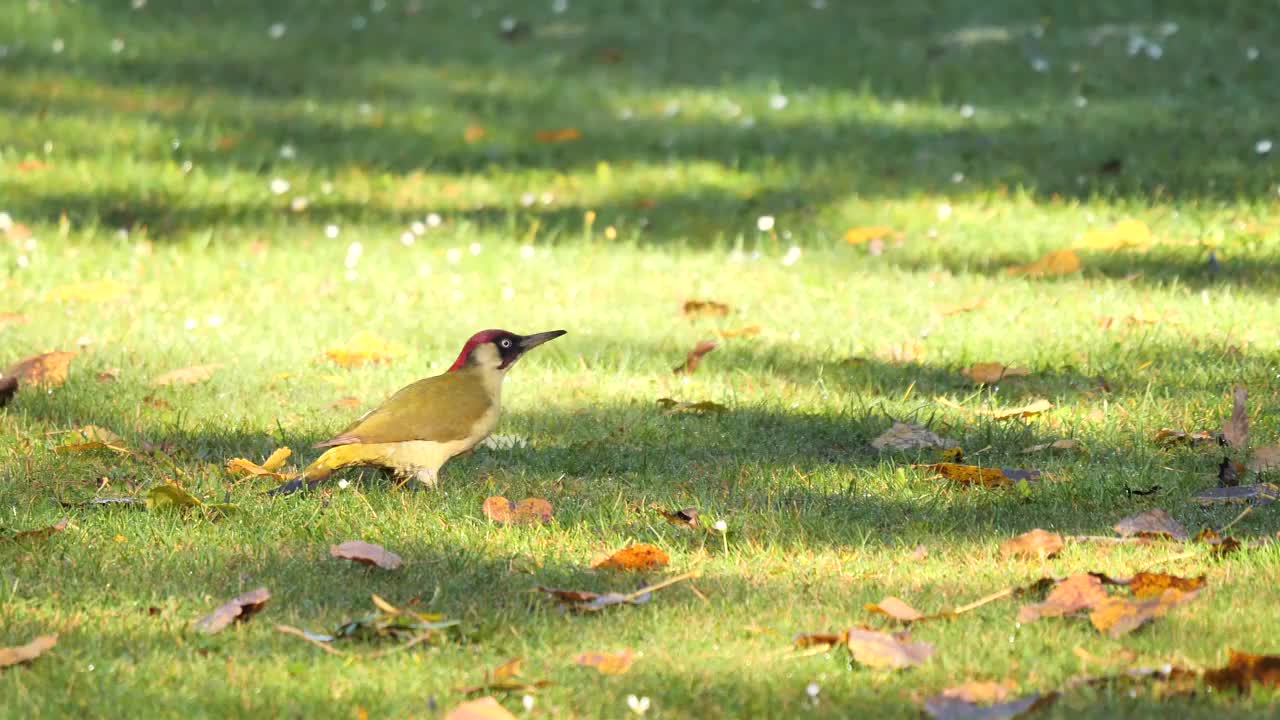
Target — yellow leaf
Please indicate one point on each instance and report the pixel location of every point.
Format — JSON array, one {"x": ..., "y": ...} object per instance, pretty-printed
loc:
[
  {"x": 276, "y": 459},
  {"x": 92, "y": 291},
  {"x": 965, "y": 306},
  {"x": 242, "y": 466},
  {"x": 44, "y": 369},
  {"x": 988, "y": 373},
  {"x": 1034, "y": 408},
  {"x": 365, "y": 348},
  {"x": 859, "y": 235},
  {"x": 1058, "y": 262},
  {"x": 745, "y": 331},
  {"x": 1128, "y": 233}
]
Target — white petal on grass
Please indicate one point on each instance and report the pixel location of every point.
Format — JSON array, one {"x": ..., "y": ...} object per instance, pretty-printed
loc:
[
  {"x": 1154, "y": 51},
  {"x": 638, "y": 705},
  {"x": 434, "y": 220},
  {"x": 214, "y": 320},
  {"x": 189, "y": 323},
  {"x": 279, "y": 186},
  {"x": 117, "y": 45},
  {"x": 812, "y": 690},
  {"x": 1040, "y": 65},
  {"x": 277, "y": 30},
  {"x": 765, "y": 223},
  {"x": 288, "y": 151},
  {"x": 359, "y": 22},
  {"x": 299, "y": 203},
  {"x": 508, "y": 293},
  {"x": 1251, "y": 54},
  {"x": 944, "y": 211},
  {"x": 1262, "y": 147},
  {"x": 527, "y": 702},
  {"x": 354, "y": 251},
  {"x": 957, "y": 177},
  {"x": 58, "y": 45},
  {"x": 528, "y": 199},
  {"x": 1080, "y": 101},
  {"x": 527, "y": 252},
  {"x": 967, "y": 111},
  {"x": 475, "y": 248},
  {"x": 453, "y": 255},
  {"x": 331, "y": 231},
  {"x": 778, "y": 101},
  {"x": 417, "y": 228},
  {"x": 344, "y": 484},
  {"x": 407, "y": 238},
  {"x": 720, "y": 526}
]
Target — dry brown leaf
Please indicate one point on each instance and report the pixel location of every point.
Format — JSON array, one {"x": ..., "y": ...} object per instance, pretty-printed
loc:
[
  {"x": 473, "y": 133},
  {"x": 1063, "y": 444},
  {"x": 1243, "y": 670},
  {"x": 694, "y": 308},
  {"x": 26, "y": 653},
  {"x": 557, "y": 135},
  {"x": 641, "y": 556},
  {"x": 907, "y": 351},
  {"x": 1036, "y": 544},
  {"x": 39, "y": 533},
  {"x": 1236, "y": 429},
  {"x": 1058, "y": 262},
  {"x": 186, "y": 376},
  {"x": 1076, "y": 593},
  {"x": 607, "y": 663},
  {"x": 980, "y": 691},
  {"x": 94, "y": 291},
  {"x": 896, "y": 609},
  {"x": 1265, "y": 459},
  {"x": 366, "y": 553},
  {"x": 694, "y": 357},
  {"x": 504, "y": 511},
  {"x": 47, "y": 369},
  {"x": 946, "y": 309},
  {"x": 817, "y": 640},
  {"x": 486, "y": 708},
  {"x": 1117, "y": 616},
  {"x": 989, "y": 373},
  {"x": 909, "y": 436},
  {"x": 859, "y": 235},
  {"x": 1154, "y": 523},
  {"x": 1028, "y": 410},
  {"x": 346, "y": 403},
  {"x": 365, "y": 348},
  {"x": 882, "y": 650},
  {"x": 985, "y": 476},
  {"x": 685, "y": 517},
  {"x": 745, "y": 331},
  {"x": 1128, "y": 233},
  {"x": 1145, "y": 584},
  {"x": 239, "y": 608}
]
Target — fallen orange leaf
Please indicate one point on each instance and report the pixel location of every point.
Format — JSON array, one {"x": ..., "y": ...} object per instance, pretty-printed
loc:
[
  {"x": 951, "y": 309},
  {"x": 987, "y": 373},
  {"x": 268, "y": 468},
  {"x": 1058, "y": 262},
  {"x": 607, "y": 663},
  {"x": 46, "y": 369},
  {"x": 1116, "y": 616},
  {"x": 1036, "y": 543},
  {"x": 1076, "y": 593},
  {"x": 486, "y": 708},
  {"x": 473, "y": 133},
  {"x": 641, "y": 556}
]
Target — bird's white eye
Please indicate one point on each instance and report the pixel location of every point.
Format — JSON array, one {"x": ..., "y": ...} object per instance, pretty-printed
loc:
[{"x": 505, "y": 343}]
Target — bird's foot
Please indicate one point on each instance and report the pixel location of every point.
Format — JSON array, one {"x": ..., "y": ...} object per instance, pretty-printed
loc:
[{"x": 293, "y": 486}]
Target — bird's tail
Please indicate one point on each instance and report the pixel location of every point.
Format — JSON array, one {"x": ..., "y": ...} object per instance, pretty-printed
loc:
[{"x": 339, "y": 457}]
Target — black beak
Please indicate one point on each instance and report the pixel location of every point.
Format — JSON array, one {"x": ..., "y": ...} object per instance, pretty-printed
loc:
[{"x": 529, "y": 342}]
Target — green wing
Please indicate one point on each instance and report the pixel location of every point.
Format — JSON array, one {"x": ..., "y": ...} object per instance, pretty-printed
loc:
[{"x": 441, "y": 409}]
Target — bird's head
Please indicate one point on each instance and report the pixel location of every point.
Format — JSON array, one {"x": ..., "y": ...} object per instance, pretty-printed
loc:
[{"x": 499, "y": 349}]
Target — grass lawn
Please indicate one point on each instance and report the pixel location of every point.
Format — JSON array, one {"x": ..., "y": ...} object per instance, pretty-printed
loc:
[{"x": 238, "y": 184}]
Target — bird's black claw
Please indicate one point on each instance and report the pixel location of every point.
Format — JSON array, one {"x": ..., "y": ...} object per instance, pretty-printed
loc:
[{"x": 293, "y": 486}]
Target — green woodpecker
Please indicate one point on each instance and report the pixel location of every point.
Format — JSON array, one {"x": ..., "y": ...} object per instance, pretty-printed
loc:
[{"x": 419, "y": 428}]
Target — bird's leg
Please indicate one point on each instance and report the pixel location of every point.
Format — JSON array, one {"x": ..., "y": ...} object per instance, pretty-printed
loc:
[{"x": 427, "y": 477}]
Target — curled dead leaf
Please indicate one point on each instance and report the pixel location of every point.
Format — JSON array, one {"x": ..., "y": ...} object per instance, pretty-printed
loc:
[
  {"x": 268, "y": 468},
  {"x": 694, "y": 308},
  {"x": 1244, "y": 670},
  {"x": 896, "y": 609},
  {"x": 1037, "y": 544},
  {"x": 1075, "y": 593},
  {"x": 38, "y": 533},
  {"x": 486, "y": 708},
  {"x": 694, "y": 357},
  {"x": 882, "y": 650},
  {"x": 1154, "y": 523},
  {"x": 1170, "y": 436},
  {"x": 557, "y": 135},
  {"x": 1147, "y": 584},
  {"x": 366, "y": 554},
  {"x": 239, "y": 608},
  {"x": 1057, "y": 445}
]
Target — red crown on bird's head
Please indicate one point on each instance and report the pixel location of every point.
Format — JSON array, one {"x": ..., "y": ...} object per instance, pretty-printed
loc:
[{"x": 480, "y": 338}]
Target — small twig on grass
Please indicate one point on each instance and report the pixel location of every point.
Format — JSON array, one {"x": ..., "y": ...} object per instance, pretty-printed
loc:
[
  {"x": 998, "y": 595},
  {"x": 658, "y": 586},
  {"x": 1239, "y": 517},
  {"x": 297, "y": 632},
  {"x": 1171, "y": 558}
]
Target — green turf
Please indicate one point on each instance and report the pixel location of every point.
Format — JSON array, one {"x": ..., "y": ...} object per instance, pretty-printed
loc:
[{"x": 150, "y": 162}]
